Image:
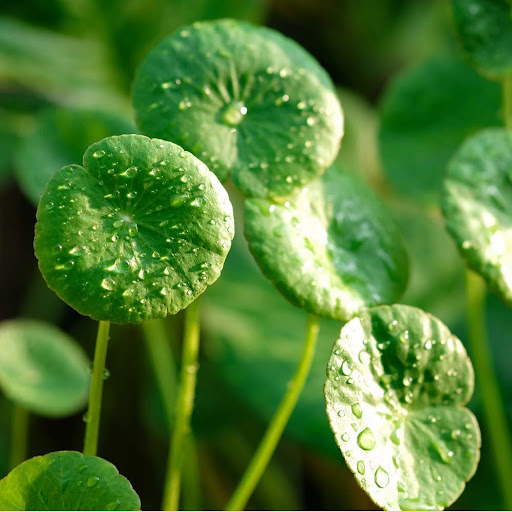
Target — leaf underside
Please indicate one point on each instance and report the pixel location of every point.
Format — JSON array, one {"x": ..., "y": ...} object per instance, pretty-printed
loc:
[
  {"x": 42, "y": 368},
  {"x": 331, "y": 249}
]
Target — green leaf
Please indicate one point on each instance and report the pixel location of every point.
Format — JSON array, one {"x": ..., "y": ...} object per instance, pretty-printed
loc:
[
  {"x": 331, "y": 248},
  {"x": 397, "y": 383},
  {"x": 59, "y": 67},
  {"x": 137, "y": 233},
  {"x": 42, "y": 368},
  {"x": 477, "y": 205},
  {"x": 247, "y": 101},
  {"x": 426, "y": 113},
  {"x": 485, "y": 31},
  {"x": 67, "y": 481},
  {"x": 60, "y": 137}
]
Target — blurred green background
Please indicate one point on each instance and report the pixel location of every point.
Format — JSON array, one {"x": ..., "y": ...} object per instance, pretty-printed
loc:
[{"x": 59, "y": 57}]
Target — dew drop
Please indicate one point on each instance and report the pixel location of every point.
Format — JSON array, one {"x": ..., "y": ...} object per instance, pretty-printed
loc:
[
  {"x": 381, "y": 477},
  {"x": 360, "y": 467},
  {"x": 345, "y": 437},
  {"x": 82, "y": 468},
  {"x": 98, "y": 154},
  {"x": 357, "y": 411},
  {"x": 108, "y": 284},
  {"x": 113, "y": 505},
  {"x": 366, "y": 439},
  {"x": 93, "y": 480},
  {"x": 131, "y": 172},
  {"x": 346, "y": 368}
]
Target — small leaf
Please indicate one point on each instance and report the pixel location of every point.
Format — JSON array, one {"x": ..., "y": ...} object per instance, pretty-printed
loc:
[
  {"x": 67, "y": 481},
  {"x": 485, "y": 31},
  {"x": 137, "y": 233},
  {"x": 426, "y": 113},
  {"x": 42, "y": 368},
  {"x": 60, "y": 137},
  {"x": 331, "y": 248},
  {"x": 397, "y": 383},
  {"x": 246, "y": 100},
  {"x": 477, "y": 205}
]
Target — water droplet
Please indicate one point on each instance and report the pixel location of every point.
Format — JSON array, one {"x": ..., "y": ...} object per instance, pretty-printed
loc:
[
  {"x": 357, "y": 411},
  {"x": 346, "y": 368},
  {"x": 106, "y": 373},
  {"x": 396, "y": 436},
  {"x": 366, "y": 439},
  {"x": 234, "y": 113},
  {"x": 360, "y": 467},
  {"x": 113, "y": 505},
  {"x": 82, "y": 468},
  {"x": 381, "y": 477},
  {"x": 345, "y": 437},
  {"x": 364, "y": 357},
  {"x": 444, "y": 454},
  {"x": 93, "y": 480},
  {"x": 131, "y": 172},
  {"x": 108, "y": 284},
  {"x": 198, "y": 202},
  {"x": 98, "y": 154}
]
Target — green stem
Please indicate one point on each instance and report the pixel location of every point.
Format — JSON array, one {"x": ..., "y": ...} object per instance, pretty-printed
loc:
[
  {"x": 507, "y": 101},
  {"x": 499, "y": 440},
  {"x": 96, "y": 392},
  {"x": 19, "y": 435},
  {"x": 278, "y": 423},
  {"x": 162, "y": 361},
  {"x": 184, "y": 406}
]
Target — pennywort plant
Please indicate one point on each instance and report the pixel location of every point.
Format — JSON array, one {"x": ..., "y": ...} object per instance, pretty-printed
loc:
[
  {"x": 141, "y": 229},
  {"x": 108, "y": 246}
]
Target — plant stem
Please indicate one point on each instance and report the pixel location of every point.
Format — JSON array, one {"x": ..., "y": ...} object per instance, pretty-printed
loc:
[
  {"x": 162, "y": 361},
  {"x": 278, "y": 423},
  {"x": 95, "y": 394},
  {"x": 184, "y": 406},
  {"x": 507, "y": 101},
  {"x": 19, "y": 435},
  {"x": 491, "y": 400}
]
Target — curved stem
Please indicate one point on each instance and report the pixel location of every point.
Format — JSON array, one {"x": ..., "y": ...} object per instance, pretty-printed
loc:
[
  {"x": 507, "y": 101},
  {"x": 184, "y": 406},
  {"x": 95, "y": 394},
  {"x": 278, "y": 423},
  {"x": 491, "y": 401},
  {"x": 19, "y": 435}
]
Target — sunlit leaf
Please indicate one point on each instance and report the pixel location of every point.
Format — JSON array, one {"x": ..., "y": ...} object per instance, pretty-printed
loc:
[
  {"x": 331, "y": 248},
  {"x": 67, "y": 481},
  {"x": 477, "y": 205},
  {"x": 137, "y": 233},
  {"x": 246, "y": 100},
  {"x": 397, "y": 383}
]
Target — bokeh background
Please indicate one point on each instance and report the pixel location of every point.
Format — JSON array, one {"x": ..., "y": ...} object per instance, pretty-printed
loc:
[{"x": 82, "y": 54}]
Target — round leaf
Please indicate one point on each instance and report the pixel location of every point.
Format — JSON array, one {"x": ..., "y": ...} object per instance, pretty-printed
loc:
[
  {"x": 426, "y": 113},
  {"x": 331, "y": 248},
  {"x": 244, "y": 99},
  {"x": 42, "y": 368},
  {"x": 60, "y": 137},
  {"x": 397, "y": 383},
  {"x": 137, "y": 233},
  {"x": 477, "y": 205},
  {"x": 67, "y": 481},
  {"x": 485, "y": 31}
]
